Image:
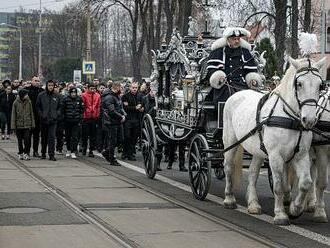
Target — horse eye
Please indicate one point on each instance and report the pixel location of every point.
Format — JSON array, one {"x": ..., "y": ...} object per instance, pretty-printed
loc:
[{"x": 299, "y": 84}]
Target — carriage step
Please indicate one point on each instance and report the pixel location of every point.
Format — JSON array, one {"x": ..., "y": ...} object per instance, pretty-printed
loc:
[
  {"x": 213, "y": 159},
  {"x": 211, "y": 150}
]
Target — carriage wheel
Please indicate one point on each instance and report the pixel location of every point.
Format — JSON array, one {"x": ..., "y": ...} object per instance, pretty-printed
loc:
[
  {"x": 149, "y": 146},
  {"x": 199, "y": 169},
  {"x": 220, "y": 172}
]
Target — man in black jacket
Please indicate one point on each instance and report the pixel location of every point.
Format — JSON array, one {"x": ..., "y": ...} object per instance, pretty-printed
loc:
[
  {"x": 73, "y": 108},
  {"x": 49, "y": 109},
  {"x": 133, "y": 105},
  {"x": 113, "y": 116},
  {"x": 34, "y": 91}
]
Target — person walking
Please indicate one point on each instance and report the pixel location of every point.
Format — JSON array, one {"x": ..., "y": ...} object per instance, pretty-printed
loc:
[
  {"x": 49, "y": 109},
  {"x": 92, "y": 104},
  {"x": 73, "y": 108},
  {"x": 22, "y": 121},
  {"x": 34, "y": 90}
]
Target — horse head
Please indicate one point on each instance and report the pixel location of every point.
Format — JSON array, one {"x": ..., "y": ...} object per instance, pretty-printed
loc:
[{"x": 301, "y": 84}]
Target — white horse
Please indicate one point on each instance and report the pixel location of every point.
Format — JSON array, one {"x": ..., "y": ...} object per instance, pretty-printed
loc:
[
  {"x": 320, "y": 154},
  {"x": 296, "y": 96}
]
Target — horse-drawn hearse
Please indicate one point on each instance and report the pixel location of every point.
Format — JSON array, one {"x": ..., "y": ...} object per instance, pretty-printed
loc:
[
  {"x": 275, "y": 127},
  {"x": 184, "y": 115}
]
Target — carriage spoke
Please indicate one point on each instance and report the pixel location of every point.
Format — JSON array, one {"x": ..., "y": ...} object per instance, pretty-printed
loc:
[
  {"x": 196, "y": 176},
  {"x": 196, "y": 160},
  {"x": 197, "y": 151}
]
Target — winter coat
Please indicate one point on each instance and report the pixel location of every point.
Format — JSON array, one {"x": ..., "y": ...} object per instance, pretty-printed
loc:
[
  {"x": 92, "y": 103},
  {"x": 6, "y": 102},
  {"x": 33, "y": 94},
  {"x": 149, "y": 105},
  {"x": 130, "y": 108},
  {"x": 48, "y": 107},
  {"x": 112, "y": 108},
  {"x": 22, "y": 114},
  {"x": 73, "y": 109}
]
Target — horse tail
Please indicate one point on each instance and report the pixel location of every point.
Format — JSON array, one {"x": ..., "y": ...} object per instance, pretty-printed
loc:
[{"x": 237, "y": 173}]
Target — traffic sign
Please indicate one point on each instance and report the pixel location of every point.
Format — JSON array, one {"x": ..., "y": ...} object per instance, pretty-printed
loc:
[{"x": 88, "y": 67}]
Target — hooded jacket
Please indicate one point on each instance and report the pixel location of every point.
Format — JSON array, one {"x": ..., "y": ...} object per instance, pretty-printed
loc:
[
  {"x": 22, "y": 114},
  {"x": 48, "y": 106},
  {"x": 92, "y": 103},
  {"x": 112, "y": 108},
  {"x": 33, "y": 94}
]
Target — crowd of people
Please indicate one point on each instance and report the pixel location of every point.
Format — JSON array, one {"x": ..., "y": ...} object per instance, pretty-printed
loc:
[{"x": 76, "y": 118}]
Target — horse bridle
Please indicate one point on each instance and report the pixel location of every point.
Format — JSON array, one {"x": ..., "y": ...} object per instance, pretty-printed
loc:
[{"x": 306, "y": 70}]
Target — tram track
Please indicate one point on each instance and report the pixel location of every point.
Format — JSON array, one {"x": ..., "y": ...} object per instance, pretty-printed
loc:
[
  {"x": 84, "y": 213},
  {"x": 181, "y": 204}
]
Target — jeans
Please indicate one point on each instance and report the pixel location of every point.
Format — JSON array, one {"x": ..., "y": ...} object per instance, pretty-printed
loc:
[
  {"x": 48, "y": 134},
  {"x": 23, "y": 137},
  {"x": 72, "y": 136}
]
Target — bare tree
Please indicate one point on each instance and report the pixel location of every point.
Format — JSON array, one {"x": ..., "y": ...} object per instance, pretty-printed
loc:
[{"x": 294, "y": 29}]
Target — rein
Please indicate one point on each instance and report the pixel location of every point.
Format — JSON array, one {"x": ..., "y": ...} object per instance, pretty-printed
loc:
[{"x": 277, "y": 121}]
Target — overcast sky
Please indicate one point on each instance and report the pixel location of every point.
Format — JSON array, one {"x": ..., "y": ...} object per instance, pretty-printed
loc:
[{"x": 12, "y": 5}]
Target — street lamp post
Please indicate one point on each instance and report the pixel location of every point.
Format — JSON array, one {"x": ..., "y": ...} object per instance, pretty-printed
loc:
[{"x": 20, "y": 47}]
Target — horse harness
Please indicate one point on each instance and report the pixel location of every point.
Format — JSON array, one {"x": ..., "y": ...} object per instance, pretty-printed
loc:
[{"x": 293, "y": 122}]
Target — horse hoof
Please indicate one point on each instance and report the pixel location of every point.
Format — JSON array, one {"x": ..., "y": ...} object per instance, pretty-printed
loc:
[
  {"x": 282, "y": 222},
  {"x": 293, "y": 217},
  {"x": 295, "y": 212},
  {"x": 320, "y": 219},
  {"x": 254, "y": 210},
  {"x": 230, "y": 205},
  {"x": 310, "y": 209}
]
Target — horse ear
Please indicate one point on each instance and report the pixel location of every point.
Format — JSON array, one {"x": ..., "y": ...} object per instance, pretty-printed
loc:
[
  {"x": 319, "y": 64},
  {"x": 294, "y": 62}
]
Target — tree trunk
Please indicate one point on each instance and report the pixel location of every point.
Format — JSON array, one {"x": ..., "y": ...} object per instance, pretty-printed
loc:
[
  {"x": 307, "y": 18},
  {"x": 169, "y": 8},
  {"x": 158, "y": 22},
  {"x": 280, "y": 31},
  {"x": 187, "y": 13},
  {"x": 294, "y": 27}
]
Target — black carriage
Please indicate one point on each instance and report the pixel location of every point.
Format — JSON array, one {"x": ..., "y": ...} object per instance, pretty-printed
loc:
[{"x": 184, "y": 115}]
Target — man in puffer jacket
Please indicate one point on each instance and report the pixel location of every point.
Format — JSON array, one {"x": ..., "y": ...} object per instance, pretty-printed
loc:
[
  {"x": 73, "y": 108},
  {"x": 22, "y": 121},
  {"x": 92, "y": 103},
  {"x": 49, "y": 110}
]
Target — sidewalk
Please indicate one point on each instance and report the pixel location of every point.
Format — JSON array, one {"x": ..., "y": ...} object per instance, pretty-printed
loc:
[{"x": 32, "y": 217}]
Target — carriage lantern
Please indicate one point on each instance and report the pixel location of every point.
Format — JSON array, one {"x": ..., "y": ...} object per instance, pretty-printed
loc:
[{"x": 188, "y": 85}]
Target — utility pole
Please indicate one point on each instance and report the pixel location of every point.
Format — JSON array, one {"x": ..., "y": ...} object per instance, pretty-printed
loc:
[
  {"x": 89, "y": 45},
  {"x": 39, "y": 58}
]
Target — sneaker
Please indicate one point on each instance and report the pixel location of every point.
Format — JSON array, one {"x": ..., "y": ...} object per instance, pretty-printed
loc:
[
  {"x": 115, "y": 163},
  {"x": 68, "y": 154},
  {"x": 73, "y": 155},
  {"x": 52, "y": 158},
  {"x": 20, "y": 156},
  {"x": 26, "y": 157},
  {"x": 106, "y": 155},
  {"x": 2, "y": 137},
  {"x": 36, "y": 155},
  {"x": 91, "y": 154},
  {"x": 7, "y": 137}
]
